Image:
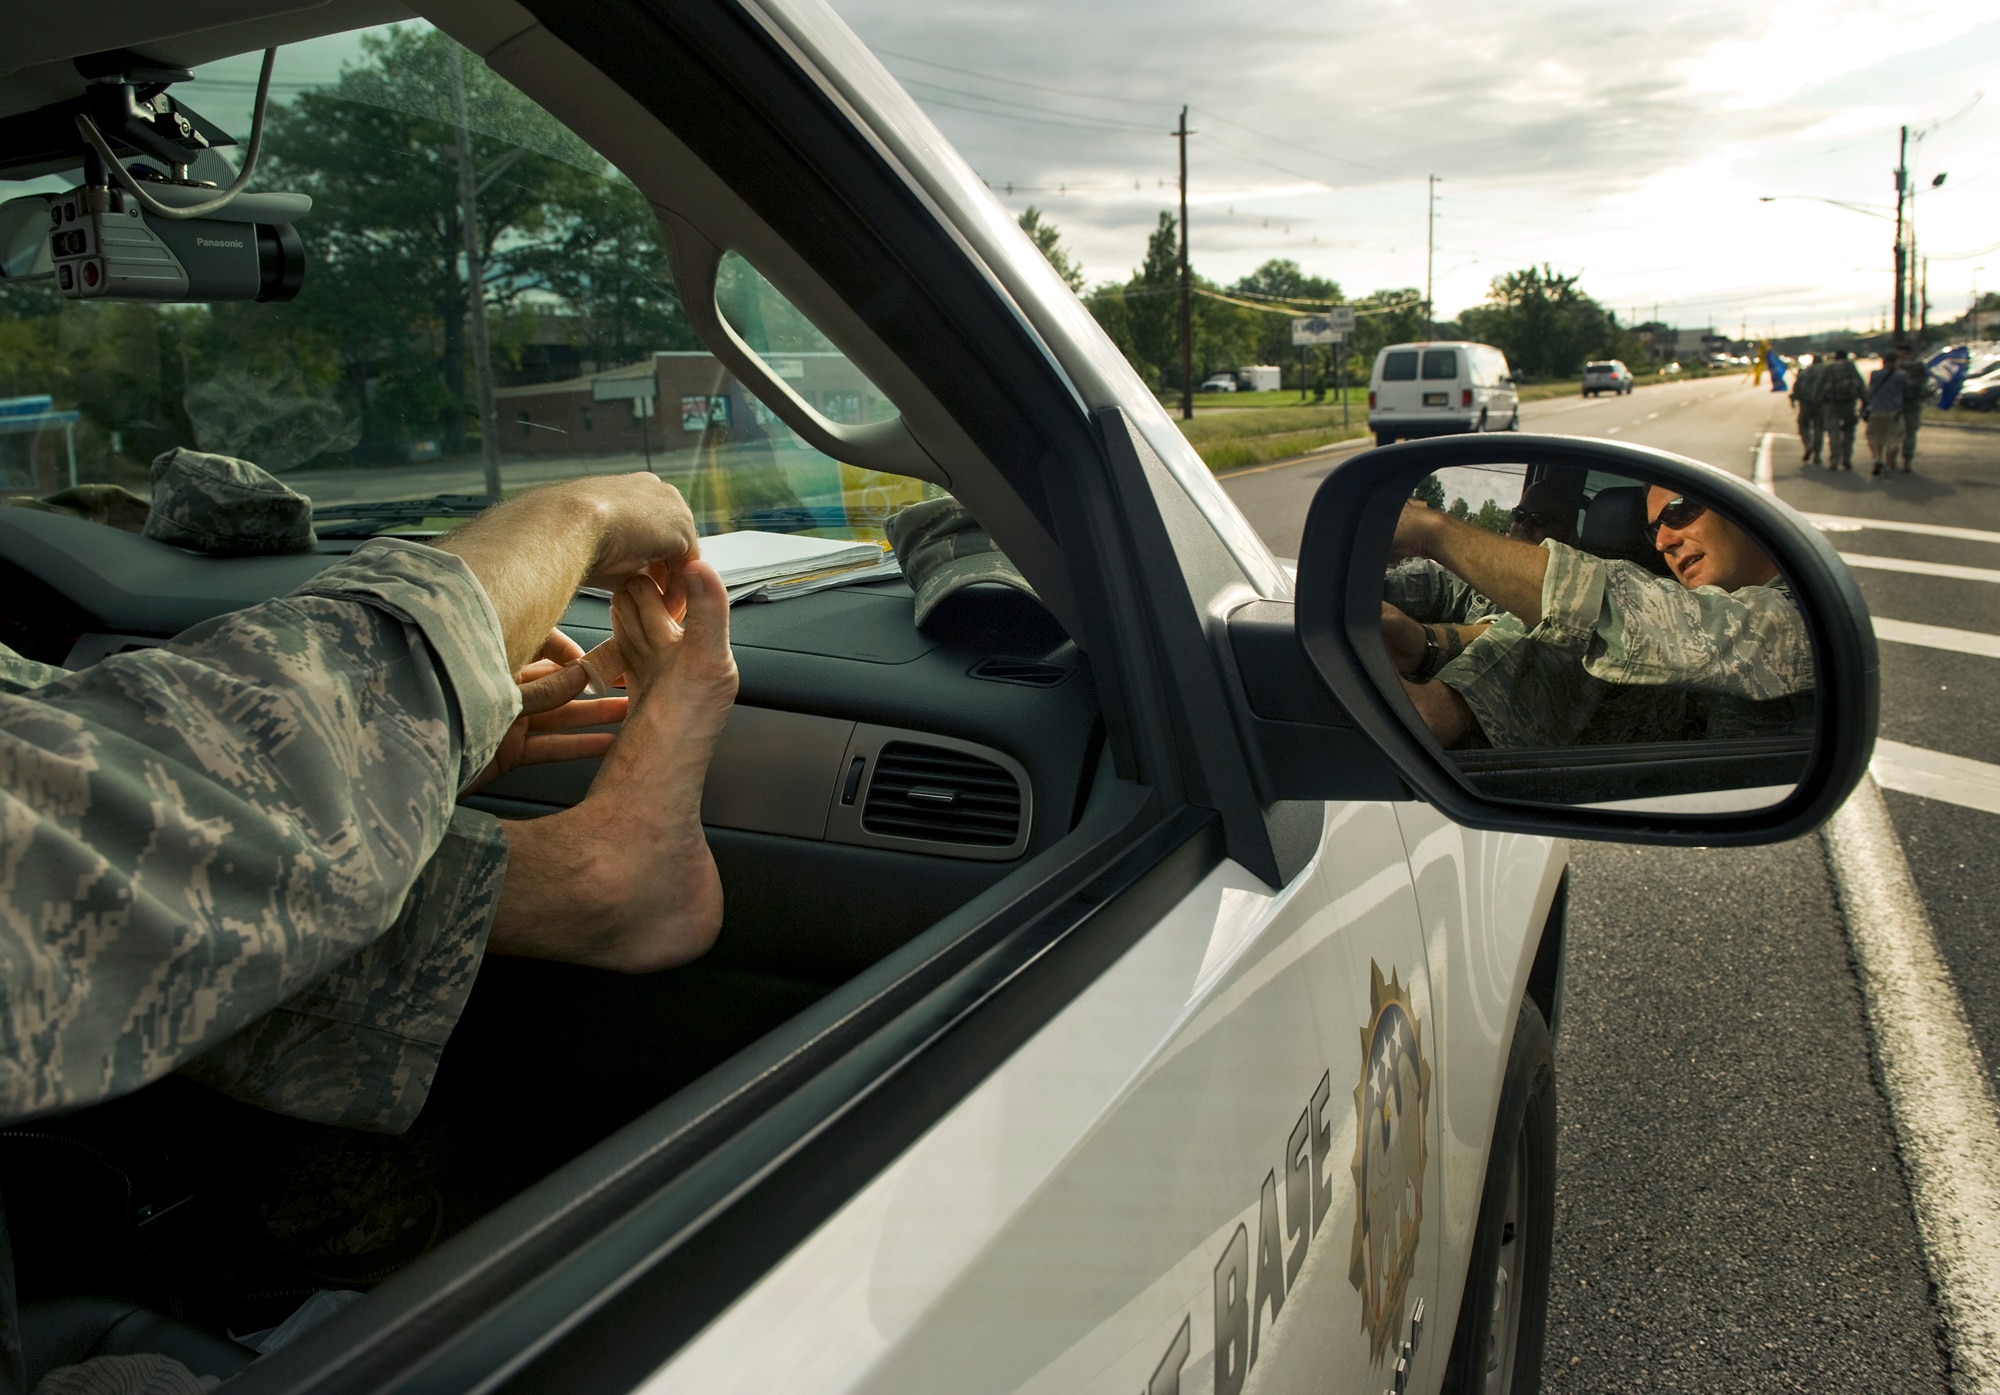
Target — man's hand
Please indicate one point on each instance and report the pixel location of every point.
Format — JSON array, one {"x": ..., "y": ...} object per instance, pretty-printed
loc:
[
  {"x": 531, "y": 552},
  {"x": 647, "y": 525},
  {"x": 1414, "y": 530},
  {"x": 546, "y": 730},
  {"x": 1404, "y": 638}
]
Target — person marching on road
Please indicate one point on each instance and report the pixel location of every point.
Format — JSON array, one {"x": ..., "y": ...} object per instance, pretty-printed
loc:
[
  {"x": 1805, "y": 402},
  {"x": 1841, "y": 393},
  {"x": 1884, "y": 413},
  {"x": 1918, "y": 388}
]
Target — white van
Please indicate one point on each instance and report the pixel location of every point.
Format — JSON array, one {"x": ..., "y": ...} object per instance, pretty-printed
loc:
[{"x": 1440, "y": 389}]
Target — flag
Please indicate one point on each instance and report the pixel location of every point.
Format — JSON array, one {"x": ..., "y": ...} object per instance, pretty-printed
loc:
[
  {"x": 1777, "y": 366},
  {"x": 1947, "y": 370}
]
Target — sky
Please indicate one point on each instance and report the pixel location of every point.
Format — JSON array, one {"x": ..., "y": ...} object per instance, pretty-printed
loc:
[{"x": 1630, "y": 144}]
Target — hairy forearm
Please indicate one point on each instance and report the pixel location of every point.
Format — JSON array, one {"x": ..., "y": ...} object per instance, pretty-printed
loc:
[
  {"x": 1508, "y": 571},
  {"x": 1447, "y": 714},
  {"x": 530, "y": 554}
]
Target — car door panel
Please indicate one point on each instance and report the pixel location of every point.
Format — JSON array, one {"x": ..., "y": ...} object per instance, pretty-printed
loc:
[
  {"x": 1063, "y": 1223},
  {"x": 1484, "y": 898}
]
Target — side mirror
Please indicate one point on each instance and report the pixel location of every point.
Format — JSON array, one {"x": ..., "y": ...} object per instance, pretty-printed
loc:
[{"x": 1686, "y": 660}]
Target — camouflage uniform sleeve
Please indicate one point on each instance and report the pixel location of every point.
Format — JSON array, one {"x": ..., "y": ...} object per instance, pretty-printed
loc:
[
  {"x": 361, "y": 1047},
  {"x": 19, "y": 675},
  {"x": 1628, "y": 626},
  {"x": 192, "y": 835},
  {"x": 1522, "y": 693},
  {"x": 1426, "y": 591}
]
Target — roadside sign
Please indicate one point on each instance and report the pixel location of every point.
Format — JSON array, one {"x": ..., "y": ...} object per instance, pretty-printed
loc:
[
  {"x": 621, "y": 389},
  {"x": 1334, "y": 325}
]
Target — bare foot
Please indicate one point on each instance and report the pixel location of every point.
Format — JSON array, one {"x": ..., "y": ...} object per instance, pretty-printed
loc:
[{"x": 625, "y": 879}]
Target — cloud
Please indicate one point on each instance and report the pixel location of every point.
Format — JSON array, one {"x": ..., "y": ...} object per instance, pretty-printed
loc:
[{"x": 1629, "y": 142}]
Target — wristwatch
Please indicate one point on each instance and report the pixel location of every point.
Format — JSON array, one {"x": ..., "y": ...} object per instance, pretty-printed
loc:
[{"x": 1434, "y": 658}]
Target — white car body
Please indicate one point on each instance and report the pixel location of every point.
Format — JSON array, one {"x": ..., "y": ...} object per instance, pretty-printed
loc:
[
  {"x": 1440, "y": 388},
  {"x": 1039, "y": 1239}
]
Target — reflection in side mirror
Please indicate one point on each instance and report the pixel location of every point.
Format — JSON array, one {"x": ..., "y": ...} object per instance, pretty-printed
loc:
[
  {"x": 1588, "y": 627},
  {"x": 1581, "y": 637},
  {"x": 24, "y": 239}
]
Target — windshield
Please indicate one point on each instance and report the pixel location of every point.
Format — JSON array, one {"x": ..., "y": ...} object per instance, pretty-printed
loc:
[{"x": 417, "y": 361}]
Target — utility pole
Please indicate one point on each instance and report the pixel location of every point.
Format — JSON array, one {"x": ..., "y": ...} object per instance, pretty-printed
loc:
[
  {"x": 1430, "y": 255},
  {"x": 1902, "y": 188},
  {"x": 1181, "y": 133},
  {"x": 475, "y": 285}
]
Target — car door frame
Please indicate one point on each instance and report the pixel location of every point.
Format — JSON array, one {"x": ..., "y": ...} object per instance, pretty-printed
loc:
[{"x": 566, "y": 1285}]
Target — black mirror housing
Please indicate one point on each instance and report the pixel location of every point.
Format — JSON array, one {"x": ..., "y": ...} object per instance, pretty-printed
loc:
[{"x": 1338, "y": 618}]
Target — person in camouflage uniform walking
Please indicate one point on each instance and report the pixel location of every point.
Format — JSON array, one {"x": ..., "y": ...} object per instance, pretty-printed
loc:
[
  {"x": 1841, "y": 393},
  {"x": 239, "y": 854},
  {"x": 1577, "y": 627},
  {"x": 1805, "y": 403}
]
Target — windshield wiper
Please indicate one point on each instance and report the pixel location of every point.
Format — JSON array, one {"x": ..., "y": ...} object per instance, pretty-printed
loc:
[{"x": 364, "y": 520}]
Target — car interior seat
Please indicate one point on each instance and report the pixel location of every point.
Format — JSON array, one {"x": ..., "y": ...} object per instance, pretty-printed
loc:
[
  {"x": 39, "y": 1337},
  {"x": 1614, "y": 524}
]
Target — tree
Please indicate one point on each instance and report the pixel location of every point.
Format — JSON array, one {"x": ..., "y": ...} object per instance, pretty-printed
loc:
[
  {"x": 1283, "y": 280},
  {"x": 1543, "y": 322},
  {"x": 1046, "y": 237},
  {"x": 383, "y": 310}
]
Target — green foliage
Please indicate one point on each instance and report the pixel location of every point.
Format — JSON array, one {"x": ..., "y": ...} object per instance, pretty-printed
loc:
[
  {"x": 1493, "y": 518},
  {"x": 1048, "y": 239},
  {"x": 373, "y": 355},
  {"x": 1429, "y": 490},
  {"x": 1545, "y": 324}
]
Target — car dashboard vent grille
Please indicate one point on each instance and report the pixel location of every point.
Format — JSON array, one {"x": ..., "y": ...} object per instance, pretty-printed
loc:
[
  {"x": 941, "y": 796},
  {"x": 1032, "y": 673}
]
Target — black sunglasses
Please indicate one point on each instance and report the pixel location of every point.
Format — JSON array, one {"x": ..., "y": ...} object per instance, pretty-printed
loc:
[{"x": 1676, "y": 514}]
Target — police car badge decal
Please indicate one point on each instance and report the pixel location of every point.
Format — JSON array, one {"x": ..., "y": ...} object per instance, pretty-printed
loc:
[{"x": 1390, "y": 1103}]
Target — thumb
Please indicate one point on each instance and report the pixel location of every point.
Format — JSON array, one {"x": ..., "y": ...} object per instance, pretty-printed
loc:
[{"x": 552, "y": 690}]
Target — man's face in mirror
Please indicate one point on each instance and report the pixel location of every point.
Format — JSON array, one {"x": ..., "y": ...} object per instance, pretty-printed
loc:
[{"x": 1706, "y": 550}]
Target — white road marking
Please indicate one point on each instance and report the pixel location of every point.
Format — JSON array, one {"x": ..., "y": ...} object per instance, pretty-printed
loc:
[
  {"x": 1950, "y": 570},
  {"x": 1935, "y": 1078},
  {"x": 1947, "y": 1121},
  {"x": 1970, "y": 784},
  {"x": 1938, "y": 637},
  {"x": 1651, "y": 415},
  {"x": 1612, "y": 430},
  {"x": 1760, "y": 472},
  {"x": 1842, "y": 523}
]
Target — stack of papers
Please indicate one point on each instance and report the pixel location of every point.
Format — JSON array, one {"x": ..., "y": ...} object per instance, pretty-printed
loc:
[
  {"x": 748, "y": 557},
  {"x": 775, "y": 566}
]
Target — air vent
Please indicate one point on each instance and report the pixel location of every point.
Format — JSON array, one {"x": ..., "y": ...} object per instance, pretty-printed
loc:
[
  {"x": 941, "y": 796},
  {"x": 1029, "y": 673}
]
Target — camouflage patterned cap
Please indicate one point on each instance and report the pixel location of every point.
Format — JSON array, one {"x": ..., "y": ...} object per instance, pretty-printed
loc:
[
  {"x": 226, "y": 507},
  {"x": 943, "y": 550}
]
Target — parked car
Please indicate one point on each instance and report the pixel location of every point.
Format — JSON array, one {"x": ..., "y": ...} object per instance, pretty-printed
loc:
[
  {"x": 1438, "y": 389},
  {"x": 1220, "y": 382},
  {"x": 1118, "y": 985},
  {"x": 1606, "y": 375}
]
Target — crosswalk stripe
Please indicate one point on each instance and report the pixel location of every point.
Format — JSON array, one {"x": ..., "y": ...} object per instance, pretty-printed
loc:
[
  {"x": 1847, "y": 523},
  {"x": 1916, "y": 568},
  {"x": 1938, "y": 637},
  {"x": 1970, "y": 784}
]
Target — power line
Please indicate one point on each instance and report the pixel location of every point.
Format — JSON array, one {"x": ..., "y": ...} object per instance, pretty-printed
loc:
[
  {"x": 1307, "y": 149},
  {"x": 1106, "y": 123},
  {"x": 1016, "y": 82},
  {"x": 1033, "y": 120}
]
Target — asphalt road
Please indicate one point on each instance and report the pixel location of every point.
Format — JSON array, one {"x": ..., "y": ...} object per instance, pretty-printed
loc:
[{"x": 1731, "y": 1209}]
